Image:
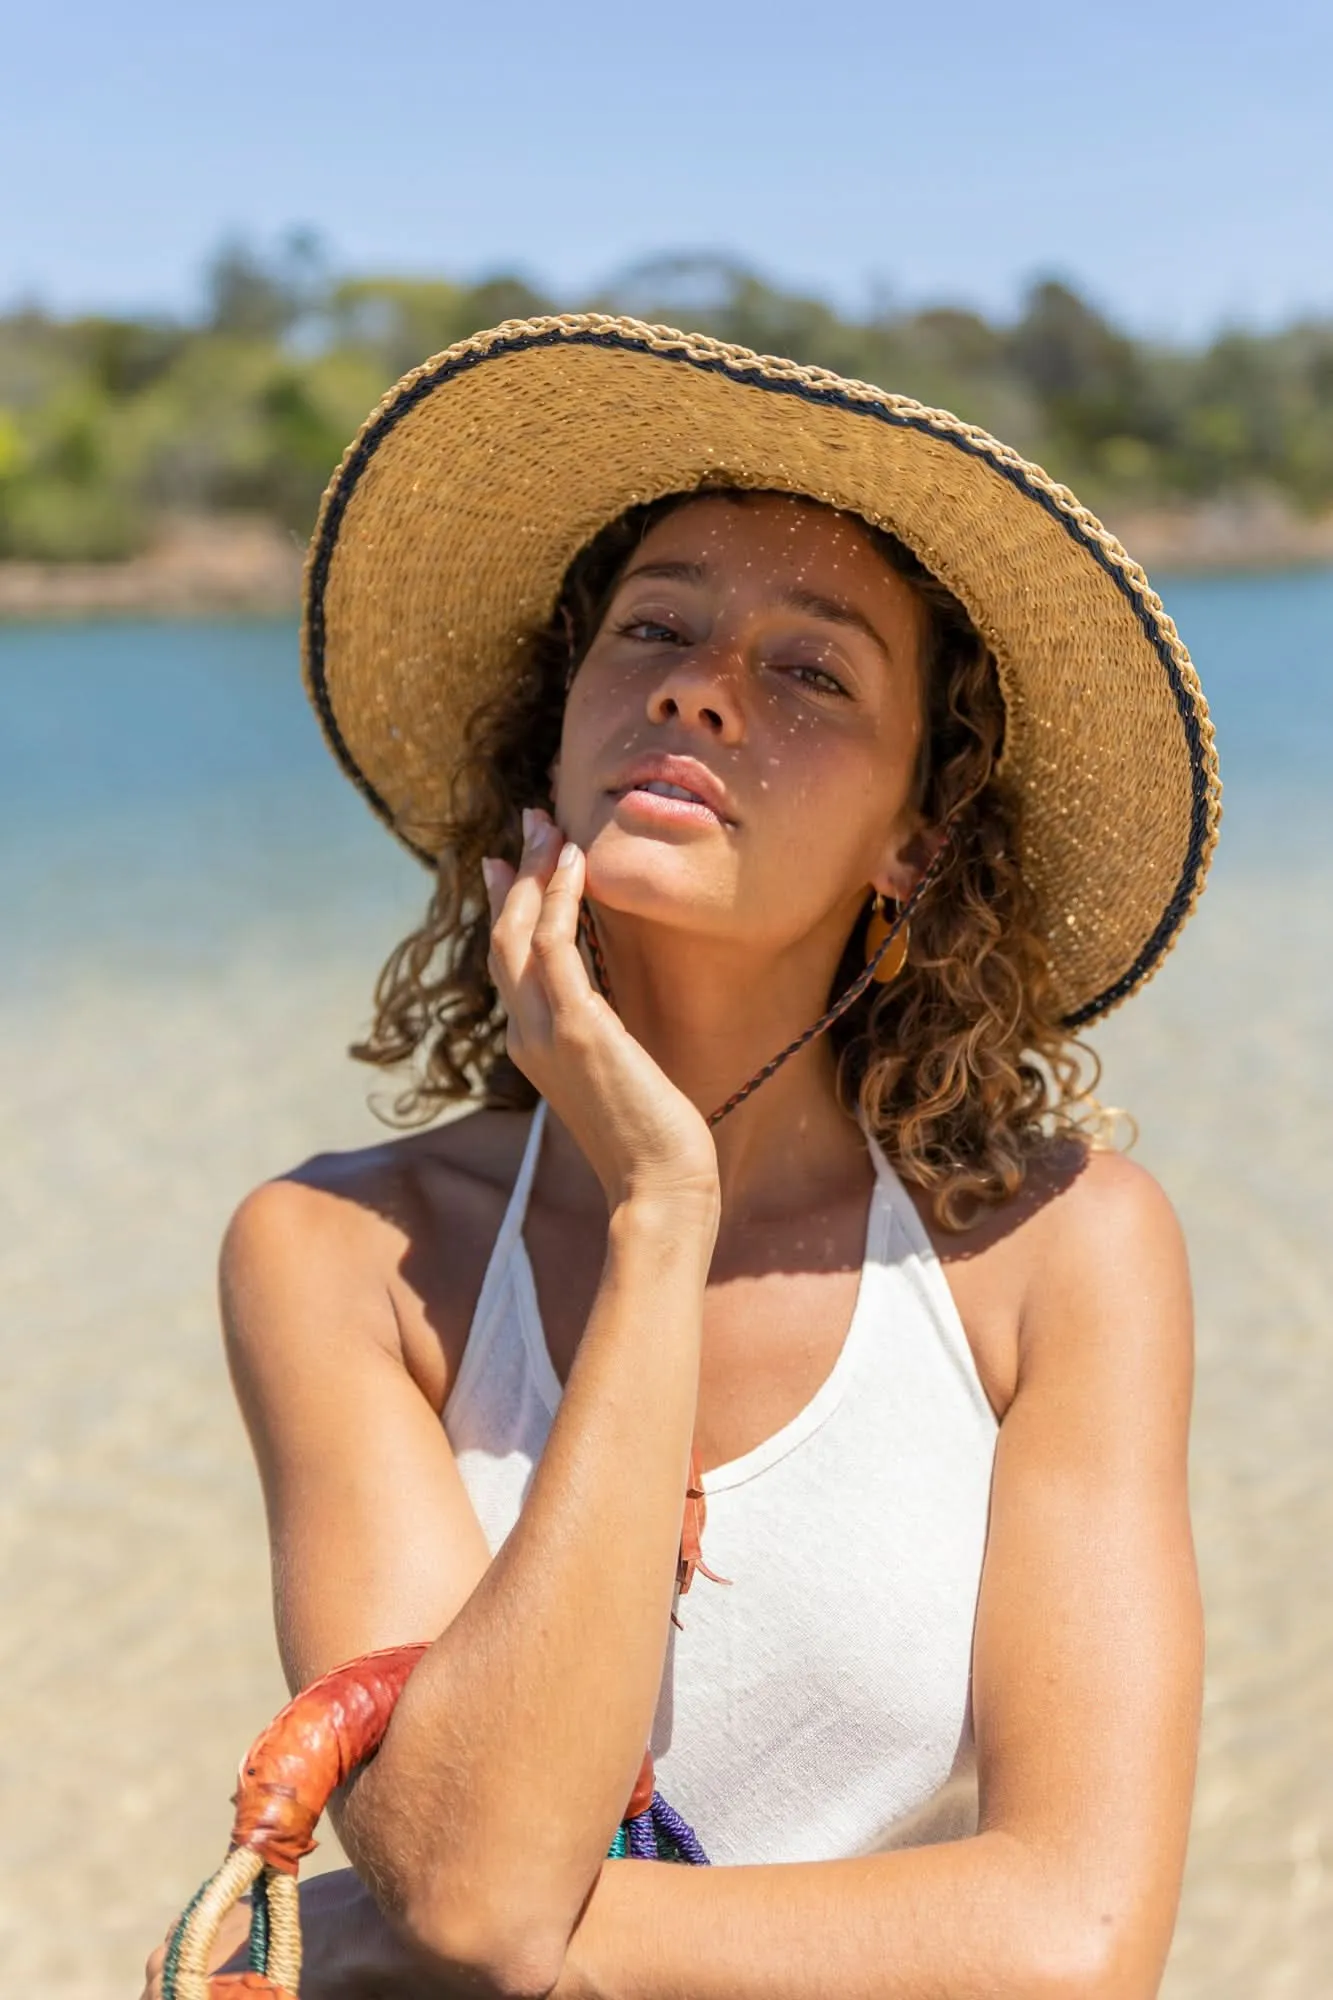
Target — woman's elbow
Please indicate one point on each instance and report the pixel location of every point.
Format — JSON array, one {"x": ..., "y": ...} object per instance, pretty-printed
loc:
[
  {"x": 1075, "y": 1931},
  {"x": 1091, "y": 1959},
  {"x": 490, "y": 1942}
]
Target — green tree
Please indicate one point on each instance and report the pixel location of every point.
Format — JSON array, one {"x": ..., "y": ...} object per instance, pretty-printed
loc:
[{"x": 108, "y": 424}]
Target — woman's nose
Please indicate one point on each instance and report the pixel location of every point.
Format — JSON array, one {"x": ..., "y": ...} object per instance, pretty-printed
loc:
[{"x": 701, "y": 692}]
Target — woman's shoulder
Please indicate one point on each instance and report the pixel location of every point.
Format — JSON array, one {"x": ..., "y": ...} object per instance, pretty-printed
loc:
[
  {"x": 395, "y": 1181},
  {"x": 395, "y": 1235},
  {"x": 1036, "y": 1270},
  {"x": 1075, "y": 1198},
  {"x": 1106, "y": 1304},
  {"x": 1094, "y": 1203}
]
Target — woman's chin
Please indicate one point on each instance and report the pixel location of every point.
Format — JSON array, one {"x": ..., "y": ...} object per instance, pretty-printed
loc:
[{"x": 654, "y": 880}]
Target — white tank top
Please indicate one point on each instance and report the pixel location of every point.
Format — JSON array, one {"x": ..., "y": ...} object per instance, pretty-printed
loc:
[{"x": 817, "y": 1706}]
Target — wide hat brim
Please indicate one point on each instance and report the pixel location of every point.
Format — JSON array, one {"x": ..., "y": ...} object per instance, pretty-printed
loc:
[{"x": 447, "y": 530}]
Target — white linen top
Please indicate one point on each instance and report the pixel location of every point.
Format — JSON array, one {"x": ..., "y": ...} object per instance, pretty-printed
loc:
[{"x": 818, "y": 1705}]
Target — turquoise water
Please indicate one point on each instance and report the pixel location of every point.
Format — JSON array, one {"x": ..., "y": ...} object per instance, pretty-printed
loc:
[{"x": 164, "y": 789}]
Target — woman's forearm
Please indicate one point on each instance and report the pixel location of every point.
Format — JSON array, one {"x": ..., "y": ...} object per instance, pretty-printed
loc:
[
  {"x": 515, "y": 1745},
  {"x": 978, "y": 1919}
]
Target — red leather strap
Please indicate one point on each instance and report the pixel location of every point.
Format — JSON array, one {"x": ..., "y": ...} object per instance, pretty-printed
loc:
[
  {"x": 691, "y": 1556},
  {"x": 334, "y": 1725},
  {"x": 246, "y": 1986},
  {"x": 311, "y": 1748},
  {"x": 642, "y": 1796}
]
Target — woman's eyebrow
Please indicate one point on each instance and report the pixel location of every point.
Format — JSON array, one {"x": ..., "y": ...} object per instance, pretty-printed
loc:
[
  {"x": 813, "y": 602},
  {"x": 834, "y": 611},
  {"x": 673, "y": 572}
]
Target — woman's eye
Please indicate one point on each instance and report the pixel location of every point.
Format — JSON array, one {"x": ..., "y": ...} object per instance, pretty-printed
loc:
[
  {"x": 649, "y": 630},
  {"x": 818, "y": 679}
]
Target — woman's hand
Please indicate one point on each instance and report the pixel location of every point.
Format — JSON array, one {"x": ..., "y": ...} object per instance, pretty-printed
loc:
[
  {"x": 640, "y": 1134},
  {"x": 351, "y": 1951}
]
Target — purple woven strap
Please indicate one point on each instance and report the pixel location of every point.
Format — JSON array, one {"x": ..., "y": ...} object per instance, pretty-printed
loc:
[
  {"x": 677, "y": 1830},
  {"x": 640, "y": 1840},
  {"x": 660, "y": 1832}
]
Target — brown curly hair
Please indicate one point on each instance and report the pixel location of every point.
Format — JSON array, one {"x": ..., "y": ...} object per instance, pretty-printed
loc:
[{"x": 961, "y": 1068}]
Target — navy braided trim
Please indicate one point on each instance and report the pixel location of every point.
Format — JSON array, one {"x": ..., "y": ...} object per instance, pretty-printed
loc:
[{"x": 427, "y": 383}]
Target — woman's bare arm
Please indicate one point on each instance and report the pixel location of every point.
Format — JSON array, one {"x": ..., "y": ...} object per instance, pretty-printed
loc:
[
  {"x": 1086, "y": 1658},
  {"x": 484, "y": 1819},
  {"x": 1086, "y": 1690},
  {"x": 513, "y": 1750}
]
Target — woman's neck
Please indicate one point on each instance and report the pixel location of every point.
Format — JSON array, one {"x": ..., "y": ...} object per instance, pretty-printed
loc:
[{"x": 711, "y": 1017}]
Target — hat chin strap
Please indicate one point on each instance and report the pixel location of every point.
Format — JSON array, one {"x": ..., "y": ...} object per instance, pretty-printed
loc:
[{"x": 588, "y": 934}]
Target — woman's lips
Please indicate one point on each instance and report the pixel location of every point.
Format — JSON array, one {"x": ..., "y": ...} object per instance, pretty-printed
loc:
[
  {"x": 664, "y": 804},
  {"x": 666, "y": 789}
]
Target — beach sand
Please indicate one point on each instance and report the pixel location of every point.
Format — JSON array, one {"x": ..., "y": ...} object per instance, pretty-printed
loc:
[{"x": 138, "y": 1658}]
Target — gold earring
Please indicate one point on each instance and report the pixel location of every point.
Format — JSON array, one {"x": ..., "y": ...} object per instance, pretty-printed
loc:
[{"x": 895, "y": 958}]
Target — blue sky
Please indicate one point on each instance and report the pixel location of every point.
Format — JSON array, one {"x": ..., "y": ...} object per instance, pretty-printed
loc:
[{"x": 1174, "y": 159}]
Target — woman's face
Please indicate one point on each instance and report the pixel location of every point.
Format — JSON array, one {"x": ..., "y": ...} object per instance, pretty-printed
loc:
[{"x": 740, "y": 741}]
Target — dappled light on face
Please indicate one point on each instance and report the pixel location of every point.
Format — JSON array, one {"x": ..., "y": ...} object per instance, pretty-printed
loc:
[{"x": 767, "y": 637}]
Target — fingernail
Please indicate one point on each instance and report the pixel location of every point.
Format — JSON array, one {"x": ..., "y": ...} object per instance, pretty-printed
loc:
[
  {"x": 488, "y": 874},
  {"x": 529, "y": 821},
  {"x": 569, "y": 854}
]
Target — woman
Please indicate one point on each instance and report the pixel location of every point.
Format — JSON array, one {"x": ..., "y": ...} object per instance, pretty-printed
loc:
[{"x": 782, "y": 674}]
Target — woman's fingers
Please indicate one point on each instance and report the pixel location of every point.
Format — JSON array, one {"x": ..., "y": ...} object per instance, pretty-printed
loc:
[
  {"x": 152, "y": 1974},
  {"x": 541, "y": 849},
  {"x": 555, "y": 935},
  {"x": 534, "y": 956},
  {"x": 632, "y": 1123},
  {"x": 499, "y": 879},
  {"x": 515, "y": 903},
  {"x": 520, "y": 898}
]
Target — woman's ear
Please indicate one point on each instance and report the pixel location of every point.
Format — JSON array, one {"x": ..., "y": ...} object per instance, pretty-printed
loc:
[{"x": 907, "y": 861}]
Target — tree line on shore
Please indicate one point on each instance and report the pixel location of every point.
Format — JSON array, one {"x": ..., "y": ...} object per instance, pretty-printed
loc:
[{"x": 109, "y": 425}]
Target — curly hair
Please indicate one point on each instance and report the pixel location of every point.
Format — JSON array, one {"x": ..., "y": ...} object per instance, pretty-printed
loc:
[{"x": 961, "y": 1068}]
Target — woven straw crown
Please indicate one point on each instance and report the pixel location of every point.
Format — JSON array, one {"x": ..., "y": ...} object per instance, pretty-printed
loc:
[{"x": 446, "y": 533}]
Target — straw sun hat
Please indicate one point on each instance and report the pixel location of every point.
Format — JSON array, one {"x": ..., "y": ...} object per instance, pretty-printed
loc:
[{"x": 447, "y": 530}]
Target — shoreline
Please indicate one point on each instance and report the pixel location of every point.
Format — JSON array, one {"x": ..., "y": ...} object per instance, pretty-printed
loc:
[
  {"x": 200, "y": 567},
  {"x": 250, "y": 567}
]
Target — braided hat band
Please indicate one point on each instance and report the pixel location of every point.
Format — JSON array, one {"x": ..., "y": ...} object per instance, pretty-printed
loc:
[{"x": 447, "y": 531}]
